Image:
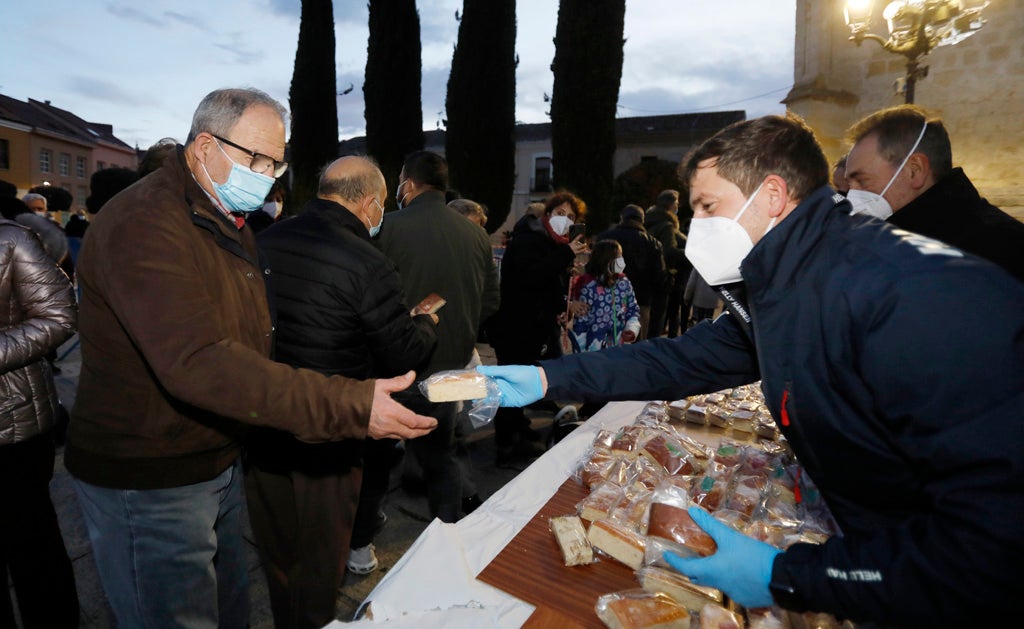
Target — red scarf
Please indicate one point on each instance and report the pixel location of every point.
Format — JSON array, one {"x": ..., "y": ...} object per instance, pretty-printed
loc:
[{"x": 562, "y": 240}]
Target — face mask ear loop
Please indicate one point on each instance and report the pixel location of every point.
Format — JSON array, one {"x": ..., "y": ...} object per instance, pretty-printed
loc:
[
  {"x": 905, "y": 159},
  {"x": 750, "y": 200}
]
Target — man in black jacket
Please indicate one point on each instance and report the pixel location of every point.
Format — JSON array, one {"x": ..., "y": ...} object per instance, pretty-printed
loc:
[
  {"x": 902, "y": 163},
  {"x": 340, "y": 310},
  {"x": 901, "y": 402},
  {"x": 645, "y": 266}
]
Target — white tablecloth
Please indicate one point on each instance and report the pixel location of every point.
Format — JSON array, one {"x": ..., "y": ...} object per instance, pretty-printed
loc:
[{"x": 434, "y": 584}]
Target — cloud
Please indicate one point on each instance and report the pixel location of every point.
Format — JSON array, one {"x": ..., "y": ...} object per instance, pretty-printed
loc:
[
  {"x": 188, "y": 20},
  {"x": 130, "y": 13},
  {"x": 107, "y": 91},
  {"x": 244, "y": 54},
  {"x": 344, "y": 10}
]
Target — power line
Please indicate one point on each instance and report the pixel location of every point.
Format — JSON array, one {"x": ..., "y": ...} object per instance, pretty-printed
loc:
[{"x": 735, "y": 102}]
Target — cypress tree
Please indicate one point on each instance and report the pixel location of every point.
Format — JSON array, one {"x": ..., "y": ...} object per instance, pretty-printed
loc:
[
  {"x": 391, "y": 91},
  {"x": 312, "y": 99},
  {"x": 587, "y": 70},
  {"x": 481, "y": 107}
]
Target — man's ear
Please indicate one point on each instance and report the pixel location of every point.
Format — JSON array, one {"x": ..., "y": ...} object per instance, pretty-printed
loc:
[
  {"x": 919, "y": 171},
  {"x": 201, "y": 146},
  {"x": 777, "y": 192}
]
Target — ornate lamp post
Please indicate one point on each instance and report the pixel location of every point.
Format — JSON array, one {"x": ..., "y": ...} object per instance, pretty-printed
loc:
[{"x": 915, "y": 28}]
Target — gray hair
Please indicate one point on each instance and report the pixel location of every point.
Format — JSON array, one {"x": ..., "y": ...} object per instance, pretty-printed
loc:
[
  {"x": 219, "y": 110},
  {"x": 467, "y": 207},
  {"x": 355, "y": 184},
  {"x": 32, "y": 196}
]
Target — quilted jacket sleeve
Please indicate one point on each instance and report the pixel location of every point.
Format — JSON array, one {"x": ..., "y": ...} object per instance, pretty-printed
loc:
[{"x": 41, "y": 311}]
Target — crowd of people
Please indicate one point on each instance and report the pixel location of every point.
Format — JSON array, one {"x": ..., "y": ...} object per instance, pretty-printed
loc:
[{"x": 298, "y": 342}]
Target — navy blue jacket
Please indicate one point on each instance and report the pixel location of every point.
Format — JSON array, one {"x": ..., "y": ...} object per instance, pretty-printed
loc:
[{"x": 894, "y": 365}]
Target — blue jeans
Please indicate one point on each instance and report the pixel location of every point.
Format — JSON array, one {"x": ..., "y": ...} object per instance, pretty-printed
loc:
[{"x": 171, "y": 557}]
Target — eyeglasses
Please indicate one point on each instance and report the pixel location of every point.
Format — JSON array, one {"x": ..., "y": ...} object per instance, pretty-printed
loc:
[{"x": 260, "y": 163}]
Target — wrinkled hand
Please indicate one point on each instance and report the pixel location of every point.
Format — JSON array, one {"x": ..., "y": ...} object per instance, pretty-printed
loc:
[
  {"x": 741, "y": 567},
  {"x": 628, "y": 336},
  {"x": 391, "y": 420},
  {"x": 519, "y": 384}
]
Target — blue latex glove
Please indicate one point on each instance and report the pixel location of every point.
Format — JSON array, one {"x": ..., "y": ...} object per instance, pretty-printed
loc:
[
  {"x": 519, "y": 384},
  {"x": 741, "y": 567}
]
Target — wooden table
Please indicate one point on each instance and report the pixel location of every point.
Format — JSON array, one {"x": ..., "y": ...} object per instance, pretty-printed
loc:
[{"x": 530, "y": 568}]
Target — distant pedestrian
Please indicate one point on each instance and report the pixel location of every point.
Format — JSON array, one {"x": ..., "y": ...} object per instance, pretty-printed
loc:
[
  {"x": 667, "y": 305},
  {"x": 645, "y": 264}
]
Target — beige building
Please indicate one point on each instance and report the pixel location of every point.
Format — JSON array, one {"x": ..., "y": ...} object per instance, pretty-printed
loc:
[
  {"x": 975, "y": 86},
  {"x": 43, "y": 145}
]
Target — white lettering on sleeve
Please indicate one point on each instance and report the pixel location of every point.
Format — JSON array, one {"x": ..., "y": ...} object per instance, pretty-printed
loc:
[{"x": 863, "y": 576}]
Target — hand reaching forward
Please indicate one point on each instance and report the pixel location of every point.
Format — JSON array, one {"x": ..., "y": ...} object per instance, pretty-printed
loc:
[
  {"x": 389, "y": 419},
  {"x": 741, "y": 567}
]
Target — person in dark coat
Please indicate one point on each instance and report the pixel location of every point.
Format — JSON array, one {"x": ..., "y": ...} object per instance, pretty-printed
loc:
[
  {"x": 902, "y": 162},
  {"x": 340, "y": 310},
  {"x": 902, "y": 402},
  {"x": 38, "y": 314},
  {"x": 438, "y": 251},
  {"x": 534, "y": 289},
  {"x": 667, "y": 304},
  {"x": 645, "y": 265}
]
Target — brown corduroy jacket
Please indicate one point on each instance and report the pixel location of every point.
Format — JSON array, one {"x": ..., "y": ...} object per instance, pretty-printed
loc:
[{"x": 176, "y": 332}]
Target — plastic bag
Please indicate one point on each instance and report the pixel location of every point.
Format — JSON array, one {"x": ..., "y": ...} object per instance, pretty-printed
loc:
[{"x": 465, "y": 384}]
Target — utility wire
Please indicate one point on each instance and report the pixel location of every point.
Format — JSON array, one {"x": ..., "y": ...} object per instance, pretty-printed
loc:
[{"x": 735, "y": 102}]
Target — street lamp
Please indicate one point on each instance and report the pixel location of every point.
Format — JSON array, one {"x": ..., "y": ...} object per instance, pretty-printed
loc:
[{"x": 915, "y": 28}]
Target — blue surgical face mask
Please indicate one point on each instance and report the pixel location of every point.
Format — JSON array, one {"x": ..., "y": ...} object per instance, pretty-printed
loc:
[
  {"x": 375, "y": 229},
  {"x": 244, "y": 191}
]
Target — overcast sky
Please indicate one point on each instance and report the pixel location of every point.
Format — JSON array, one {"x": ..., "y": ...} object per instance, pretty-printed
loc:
[{"x": 144, "y": 66}]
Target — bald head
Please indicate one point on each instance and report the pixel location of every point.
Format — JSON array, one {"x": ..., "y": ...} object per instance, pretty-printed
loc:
[
  {"x": 350, "y": 179},
  {"x": 356, "y": 183}
]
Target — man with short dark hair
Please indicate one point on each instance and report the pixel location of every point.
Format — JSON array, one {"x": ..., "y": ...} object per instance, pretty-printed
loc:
[
  {"x": 901, "y": 404},
  {"x": 900, "y": 169},
  {"x": 645, "y": 266},
  {"x": 176, "y": 334},
  {"x": 438, "y": 251}
]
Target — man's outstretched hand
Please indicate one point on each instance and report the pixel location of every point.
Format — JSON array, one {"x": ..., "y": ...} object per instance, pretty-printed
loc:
[{"x": 391, "y": 420}]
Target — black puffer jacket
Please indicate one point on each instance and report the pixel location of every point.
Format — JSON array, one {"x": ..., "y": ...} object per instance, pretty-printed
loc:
[
  {"x": 665, "y": 227},
  {"x": 340, "y": 311},
  {"x": 38, "y": 314},
  {"x": 534, "y": 284},
  {"x": 339, "y": 300}
]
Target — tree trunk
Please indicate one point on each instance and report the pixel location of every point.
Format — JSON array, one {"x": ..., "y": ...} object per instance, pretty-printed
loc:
[
  {"x": 312, "y": 99},
  {"x": 587, "y": 69},
  {"x": 394, "y": 109},
  {"x": 481, "y": 107}
]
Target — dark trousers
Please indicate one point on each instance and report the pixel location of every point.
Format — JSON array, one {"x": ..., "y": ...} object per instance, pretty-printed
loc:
[
  {"x": 379, "y": 457},
  {"x": 31, "y": 546},
  {"x": 659, "y": 308},
  {"x": 302, "y": 523},
  {"x": 674, "y": 311},
  {"x": 508, "y": 422},
  {"x": 435, "y": 452}
]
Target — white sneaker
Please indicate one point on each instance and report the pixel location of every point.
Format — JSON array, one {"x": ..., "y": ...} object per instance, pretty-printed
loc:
[
  {"x": 566, "y": 415},
  {"x": 362, "y": 560}
]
